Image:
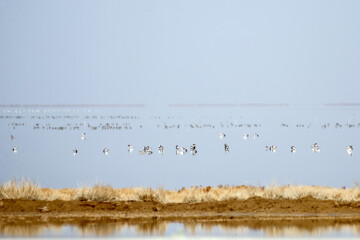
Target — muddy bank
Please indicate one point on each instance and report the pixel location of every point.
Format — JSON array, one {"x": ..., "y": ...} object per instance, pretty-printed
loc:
[{"x": 148, "y": 208}]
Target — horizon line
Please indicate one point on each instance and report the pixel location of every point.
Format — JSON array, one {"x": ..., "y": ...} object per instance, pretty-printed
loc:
[
  {"x": 70, "y": 105},
  {"x": 139, "y": 105}
]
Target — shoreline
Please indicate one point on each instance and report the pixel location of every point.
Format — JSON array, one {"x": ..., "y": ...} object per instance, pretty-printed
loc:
[
  {"x": 252, "y": 208},
  {"x": 275, "y": 218}
]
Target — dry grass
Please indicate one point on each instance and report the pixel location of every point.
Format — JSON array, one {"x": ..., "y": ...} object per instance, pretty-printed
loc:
[{"x": 26, "y": 189}]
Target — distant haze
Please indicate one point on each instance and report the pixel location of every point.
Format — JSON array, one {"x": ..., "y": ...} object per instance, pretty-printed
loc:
[{"x": 165, "y": 52}]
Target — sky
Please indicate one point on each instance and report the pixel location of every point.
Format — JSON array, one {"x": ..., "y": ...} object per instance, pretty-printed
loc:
[{"x": 164, "y": 52}]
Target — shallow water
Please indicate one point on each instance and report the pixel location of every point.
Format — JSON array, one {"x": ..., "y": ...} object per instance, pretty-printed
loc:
[
  {"x": 45, "y": 138},
  {"x": 249, "y": 229}
]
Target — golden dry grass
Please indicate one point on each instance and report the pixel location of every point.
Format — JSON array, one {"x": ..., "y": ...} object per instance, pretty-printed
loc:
[{"x": 26, "y": 189}]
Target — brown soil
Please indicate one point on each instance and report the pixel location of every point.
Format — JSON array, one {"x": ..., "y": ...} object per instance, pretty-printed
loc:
[{"x": 11, "y": 210}]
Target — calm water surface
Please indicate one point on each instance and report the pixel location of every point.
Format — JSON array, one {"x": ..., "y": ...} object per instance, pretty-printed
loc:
[
  {"x": 45, "y": 139},
  {"x": 162, "y": 229}
]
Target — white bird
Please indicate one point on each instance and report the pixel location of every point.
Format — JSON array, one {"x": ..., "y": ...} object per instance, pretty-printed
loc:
[
  {"x": 15, "y": 150},
  {"x": 226, "y": 148},
  {"x": 293, "y": 149},
  {"x": 161, "y": 149},
  {"x": 106, "y": 151},
  {"x": 222, "y": 135},
  {"x": 147, "y": 150},
  {"x": 193, "y": 149},
  {"x": 245, "y": 136},
  {"x": 256, "y": 135},
  {"x": 75, "y": 151},
  {"x": 180, "y": 151},
  {"x": 131, "y": 148},
  {"x": 83, "y": 136},
  {"x": 315, "y": 148},
  {"x": 349, "y": 150},
  {"x": 273, "y": 148}
]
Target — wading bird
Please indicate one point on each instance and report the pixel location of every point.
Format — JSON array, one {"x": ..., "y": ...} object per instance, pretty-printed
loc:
[
  {"x": 315, "y": 148},
  {"x": 180, "y": 151},
  {"x": 245, "y": 136},
  {"x": 147, "y": 149},
  {"x": 271, "y": 148},
  {"x": 226, "y": 148},
  {"x": 106, "y": 151},
  {"x": 193, "y": 149},
  {"x": 161, "y": 149},
  {"x": 349, "y": 150},
  {"x": 131, "y": 148}
]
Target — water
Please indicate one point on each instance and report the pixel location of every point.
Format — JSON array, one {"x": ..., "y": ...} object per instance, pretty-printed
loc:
[
  {"x": 180, "y": 230},
  {"x": 70, "y": 147},
  {"x": 45, "y": 140}
]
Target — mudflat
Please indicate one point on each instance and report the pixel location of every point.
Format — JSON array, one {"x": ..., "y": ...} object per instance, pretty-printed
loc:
[{"x": 18, "y": 210}]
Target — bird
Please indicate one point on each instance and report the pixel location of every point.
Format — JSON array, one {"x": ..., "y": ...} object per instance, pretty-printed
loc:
[
  {"x": 11, "y": 137},
  {"x": 315, "y": 145},
  {"x": 315, "y": 148},
  {"x": 273, "y": 148},
  {"x": 83, "y": 136},
  {"x": 106, "y": 151},
  {"x": 292, "y": 149},
  {"x": 75, "y": 151},
  {"x": 245, "y": 136},
  {"x": 147, "y": 150},
  {"x": 131, "y": 148},
  {"x": 222, "y": 135},
  {"x": 256, "y": 135},
  {"x": 161, "y": 149},
  {"x": 180, "y": 151},
  {"x": 226, "y": 148},
  {"x": 349, "y": 150},
  {"x": 193, "y": 149},
  {"x": 15, "y": 150}
]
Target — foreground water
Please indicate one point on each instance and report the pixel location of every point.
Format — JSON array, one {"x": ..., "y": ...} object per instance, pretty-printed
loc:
[
  {"x": 177, "y": 230},
  {"x": 39, "y": 142}
]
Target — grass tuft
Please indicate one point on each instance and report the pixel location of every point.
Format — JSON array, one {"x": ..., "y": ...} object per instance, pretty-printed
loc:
[{"x": 25, "y": 189}]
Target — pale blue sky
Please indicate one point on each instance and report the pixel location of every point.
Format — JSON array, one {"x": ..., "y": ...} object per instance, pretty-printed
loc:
[{"x": 162, "y": 52}]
